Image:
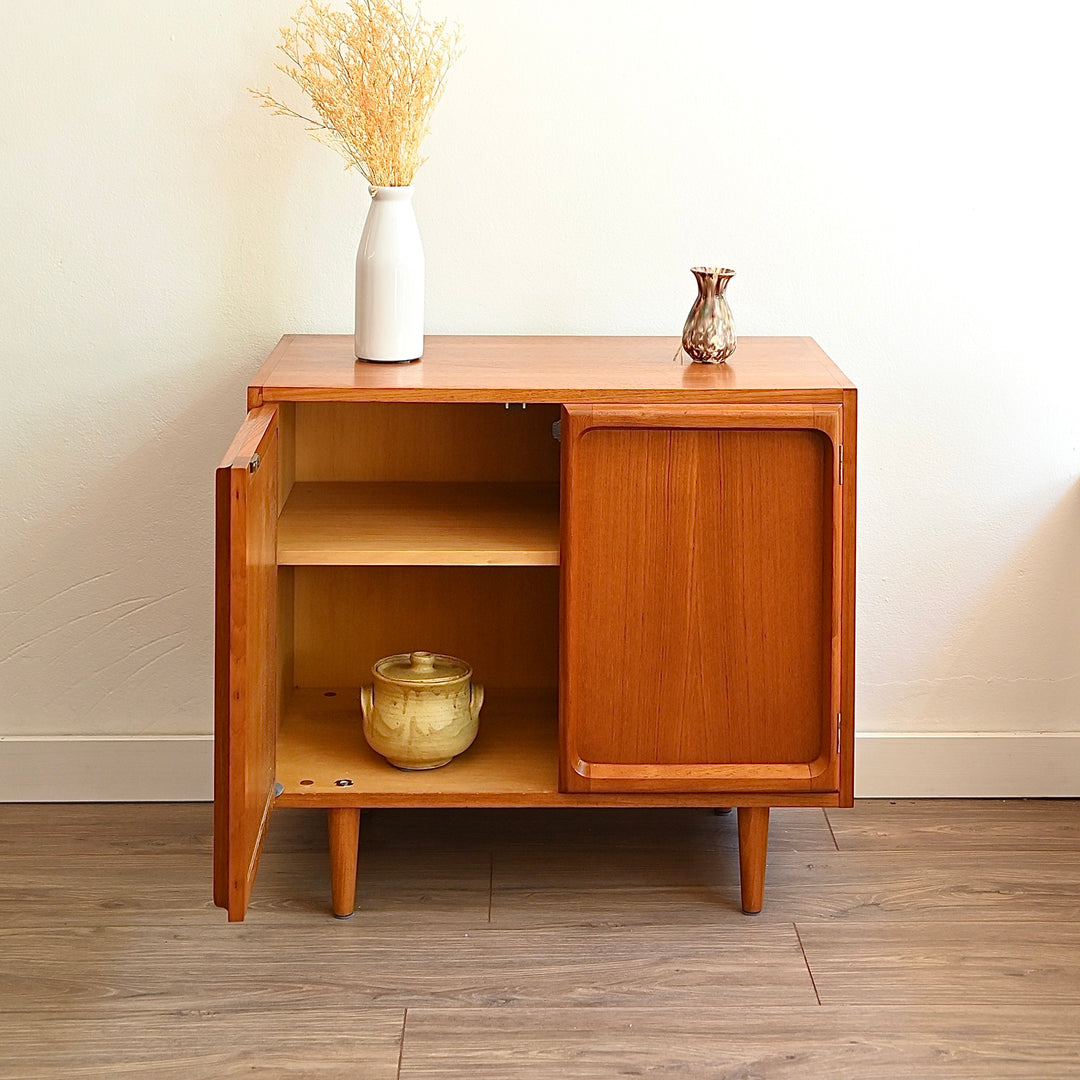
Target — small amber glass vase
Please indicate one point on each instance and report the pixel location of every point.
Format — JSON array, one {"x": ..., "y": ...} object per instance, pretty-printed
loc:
[{"x": 709, "y": 334}]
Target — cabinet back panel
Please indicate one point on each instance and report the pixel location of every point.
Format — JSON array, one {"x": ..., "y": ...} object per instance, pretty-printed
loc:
[
  {"x": 502, "y": 620},
  {"x": 286, "y": 451},
  {"x": 700, "y": 566},
  {"x": 411, "y": 441},
  {"x": 285, "y": 636}
]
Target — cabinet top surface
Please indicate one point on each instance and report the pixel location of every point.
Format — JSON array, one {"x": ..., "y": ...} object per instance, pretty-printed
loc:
[{"x": 321, "y": 367}]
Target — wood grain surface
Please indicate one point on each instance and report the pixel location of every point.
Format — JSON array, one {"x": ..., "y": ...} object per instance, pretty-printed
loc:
[
  {"x": 293, "y": 888},
  {"x": 430, "y": 442},
  {"x": 522, "y": 943},
  {"x": 796, "y": 1043},
  {"x": 323, "y": 760},
  {"x": 321, "y": 1041},
  {"x": 848, "y": 577},
  {"x": 753, "y": 824},
  {"x": 321, "y": 367},
  {"x": 420, "y": 524},
  {"x": 964, "y": 961},
  {"x": 347, "y": 617},
  {"x": 343, "y": 828},
  {"x": 944, "y": 825},
  {"x": 247, "y": 686},
  {"x": 145, "y": 968},
  {"x": 597, "y": 885},
  {"x": 728, "y": 675}
]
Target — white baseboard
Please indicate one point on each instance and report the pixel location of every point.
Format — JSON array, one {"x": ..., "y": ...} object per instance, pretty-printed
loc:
[
  {"x": 106, "y": 768},
  {"x": 179, "y": 768},
  {"x": 967, "y": 765}
]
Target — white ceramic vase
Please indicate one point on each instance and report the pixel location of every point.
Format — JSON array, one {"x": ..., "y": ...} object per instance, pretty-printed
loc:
[{"x": 390, "y": 281}]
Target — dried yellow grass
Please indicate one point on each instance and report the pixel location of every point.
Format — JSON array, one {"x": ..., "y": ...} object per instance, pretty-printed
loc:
[{"x": 374, "y": 73}]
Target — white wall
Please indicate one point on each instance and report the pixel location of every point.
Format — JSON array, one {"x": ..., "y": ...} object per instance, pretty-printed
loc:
[{"x": 897, "y": 181}]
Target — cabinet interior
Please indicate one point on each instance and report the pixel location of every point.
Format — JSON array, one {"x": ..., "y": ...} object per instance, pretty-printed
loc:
[{"x": 416, "y": 526}]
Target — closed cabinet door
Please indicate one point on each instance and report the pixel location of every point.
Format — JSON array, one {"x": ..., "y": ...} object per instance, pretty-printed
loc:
[
  {"x": 701, "y": 598},
  {"x": 246, "y": 678}
]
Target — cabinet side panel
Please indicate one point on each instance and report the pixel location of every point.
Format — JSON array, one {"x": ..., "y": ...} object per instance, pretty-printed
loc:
[
  {"x": 699, "y": 595},
  {"x": 847, "y": 666}
]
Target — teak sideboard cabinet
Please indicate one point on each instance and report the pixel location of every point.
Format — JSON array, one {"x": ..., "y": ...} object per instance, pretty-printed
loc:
[{"x": 649, "y": 566}]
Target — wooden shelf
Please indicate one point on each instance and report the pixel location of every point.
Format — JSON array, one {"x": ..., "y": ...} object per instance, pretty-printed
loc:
[
  {"x": 419, "y": 524},
  {"x": 514, "y": 757},
  {"x": 513, "y": 762}
]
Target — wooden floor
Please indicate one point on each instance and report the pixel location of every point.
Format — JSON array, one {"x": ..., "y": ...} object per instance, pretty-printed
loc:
[{"x": 899, "y": 941}]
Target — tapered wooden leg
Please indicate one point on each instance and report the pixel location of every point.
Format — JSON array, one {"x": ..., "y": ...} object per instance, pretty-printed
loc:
[
  {"x": 344, "y": 828},
  {"x": 753, "y": 846}
]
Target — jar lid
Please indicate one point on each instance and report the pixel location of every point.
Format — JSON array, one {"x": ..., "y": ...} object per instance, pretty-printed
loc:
[{"x": 421, "y": 667}]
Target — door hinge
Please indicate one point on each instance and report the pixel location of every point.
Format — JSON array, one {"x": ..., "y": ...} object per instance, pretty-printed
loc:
[
  {"x": 838, "y": 732},
  {"x": 254, "y": 463},
  {"x": 556, "y": 431},
  {"x": 841, "y": 463}
]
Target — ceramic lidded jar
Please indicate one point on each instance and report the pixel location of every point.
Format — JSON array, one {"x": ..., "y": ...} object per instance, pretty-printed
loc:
[{"x": 422, "y": 709}]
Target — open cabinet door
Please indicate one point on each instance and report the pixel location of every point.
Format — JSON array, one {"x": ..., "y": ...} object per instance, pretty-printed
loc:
[
  {"x": 701, "y": 598},
  {"x": 246, "y": 690}
]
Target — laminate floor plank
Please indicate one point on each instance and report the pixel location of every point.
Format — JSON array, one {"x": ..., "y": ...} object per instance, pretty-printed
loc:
[
  {"x": 325, "y": 1042},
  {"x": 797, "y": 1043},
  {"x": 915, "y": 963},
  {"x": 61, "y": 829},
  {"x": 145, "y": 968},
  {"x": 623, "y": 886},
  {"x": 393, "y": 888},
  {"x": 52, "y": 830},
  {"x": 958, "y": 825},
  {"x": 943, "y": 937}
]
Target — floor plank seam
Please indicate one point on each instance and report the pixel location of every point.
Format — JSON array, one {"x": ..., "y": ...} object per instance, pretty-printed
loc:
[
  {"x": 831, "y": 833},
  {"x": 798, "y": 937},
  {"x": 401, "y": 1044}
]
